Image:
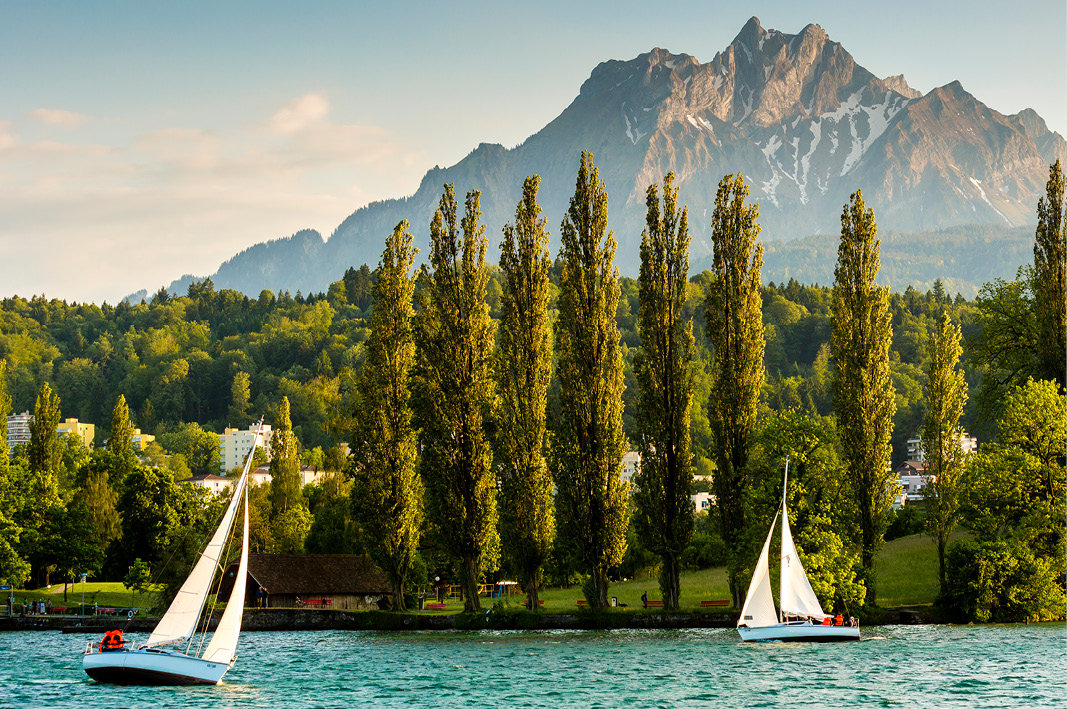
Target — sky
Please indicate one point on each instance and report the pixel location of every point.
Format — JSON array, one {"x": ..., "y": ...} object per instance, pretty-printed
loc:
[{"x": 141, "y": 141}]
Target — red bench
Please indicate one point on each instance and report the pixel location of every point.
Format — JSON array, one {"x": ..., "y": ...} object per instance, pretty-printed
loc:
[
  {"x": 583, "y": 603},
  {"x": 706, "y": 604},
  {"x": 433, "y": 606},
  {"x": 58, "y": 609},
  {"x": 105, "y": 611},
  {"x": 653, "y": 604},
  {"x": 317, "y": 602}
]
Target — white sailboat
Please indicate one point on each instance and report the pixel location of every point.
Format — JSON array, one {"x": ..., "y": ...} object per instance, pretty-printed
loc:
[
  {"x": 169, "y": 656},
  {"x": 759, "y": 621}
]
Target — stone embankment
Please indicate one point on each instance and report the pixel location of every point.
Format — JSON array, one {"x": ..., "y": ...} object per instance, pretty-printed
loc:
[{"x": 305, "y": 619}]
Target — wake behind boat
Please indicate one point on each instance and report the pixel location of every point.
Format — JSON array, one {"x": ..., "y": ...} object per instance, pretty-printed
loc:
[
  {"x": 759, "y": 621},
  {"x": 172, "y": 654}
]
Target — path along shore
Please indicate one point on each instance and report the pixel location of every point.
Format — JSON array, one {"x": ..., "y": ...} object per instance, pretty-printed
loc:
[{"x": 318, "y": 619}]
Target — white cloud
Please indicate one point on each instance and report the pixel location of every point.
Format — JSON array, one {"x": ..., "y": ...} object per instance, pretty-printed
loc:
[
  {"x": 300, "y": 113},
  {"x": 59, "y": 117}
]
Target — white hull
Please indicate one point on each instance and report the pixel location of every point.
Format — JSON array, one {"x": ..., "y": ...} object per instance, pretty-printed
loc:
[
  {"x": 799, "y": 632},
  {"x": 157, "y": 667}
]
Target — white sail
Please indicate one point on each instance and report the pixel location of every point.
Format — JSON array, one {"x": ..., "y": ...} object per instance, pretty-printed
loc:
[
  {"x": 797, "y": 597},
  {"x": 180, "y": 620},
  {"x": 759, "y": 605},
  {"x": 223, "y": 645}
]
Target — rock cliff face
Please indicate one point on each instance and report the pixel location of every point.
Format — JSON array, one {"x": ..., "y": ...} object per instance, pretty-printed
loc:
[{"x": 796, "y": 114}]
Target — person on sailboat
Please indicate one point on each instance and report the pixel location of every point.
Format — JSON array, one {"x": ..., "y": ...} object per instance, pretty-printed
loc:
[{"x": 112, "y": 641}]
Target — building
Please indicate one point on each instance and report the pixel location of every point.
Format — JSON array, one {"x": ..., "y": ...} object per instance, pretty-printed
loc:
[
  {"x": 348, "y": 581},
  {"x": 209, "y": 481},
  {"x": 969, "y": 444},
  {"x": 631, "y": 464},
  {"x": 310, "y": 474},
  {"x": 141, "y": 440},
  {"x": 702, "y": 502},
  {"x": 260, "y": 476},
  {"x": 235, "y": 444},
  {"x": 912, "y": 478},
  {"x": 85, "y": 431},
  {"x": 18, "y": 429}
]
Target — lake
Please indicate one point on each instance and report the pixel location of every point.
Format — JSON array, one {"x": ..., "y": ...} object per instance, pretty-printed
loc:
[{"x": 907, "y": 666}]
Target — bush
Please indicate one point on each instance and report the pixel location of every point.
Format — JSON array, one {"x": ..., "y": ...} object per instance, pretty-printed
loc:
[
  {"x": 1000, "y": 581},
  {"x": 904, "y": 522},
  {"x": 704, "y": 551}
]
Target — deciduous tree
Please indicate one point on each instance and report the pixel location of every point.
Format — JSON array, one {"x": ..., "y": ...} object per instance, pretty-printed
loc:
[
  {"x": 1050, "y": 280},
  {"x": 663, "y": 368},
  {"x": 734, "y": 324},
  {"x": 860, "y": 336},
  {"x": 591, "y": 500}
]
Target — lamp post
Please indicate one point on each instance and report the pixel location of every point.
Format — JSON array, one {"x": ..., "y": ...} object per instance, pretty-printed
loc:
[
  {"x": 437, "y": 586},
  {"x": 82, "y": 609}
]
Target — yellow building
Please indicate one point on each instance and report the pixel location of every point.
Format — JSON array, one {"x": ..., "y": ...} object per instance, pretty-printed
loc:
[
  {"x": 141, "y": 440},
  {"x": 84, "y": 431}
]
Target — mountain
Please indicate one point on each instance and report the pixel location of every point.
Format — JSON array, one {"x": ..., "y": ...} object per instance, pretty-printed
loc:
[{"x": 795, "y": 114}]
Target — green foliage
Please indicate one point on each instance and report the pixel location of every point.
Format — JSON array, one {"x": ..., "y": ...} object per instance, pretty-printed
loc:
[
  {"x": 664, "y": 510},
  {"x": 240, "y": 400},
  {"x": 1001, "y": 581},
  {"x": 1050, "y": 281},
  {"x": 862, "y": 390},
  {"x": 591, "y": 499},
  {"x": 387, "y": 493},
  {"x": 138, "y": 578},
  {"x": 523, "y": 366},
  {"x": 199, "y": 448},
  {"x": 454, "y": 389},
  {"x": 906, "y": 521},
  {"x": 734, "y": 326},
  {"x": 284, "y": 463}
]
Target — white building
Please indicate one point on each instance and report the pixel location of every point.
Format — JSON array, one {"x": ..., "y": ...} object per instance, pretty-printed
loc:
[
  {"x": 235, "y": 444},
  {"x": 912, "y": 478},
  {"x": 969, "y": 444},
  {"x": 18, "y": 429},
  {"x": 211, "y": 482},
  {"x": 631, "y": 463},
  {"x": 702, "y": 502}
]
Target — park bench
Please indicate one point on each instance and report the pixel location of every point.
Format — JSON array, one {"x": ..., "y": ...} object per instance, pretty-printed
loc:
[
  {"x": 56, "y": 610},
  {"x": 433, "y": 606},
  {"x": 707, "y": 604},
  {"x": 105, "y": 611},
  {"x": 322, "y": 602},
  {"x": 582, "y": 604},
  {"x": 653, "y": 604}
]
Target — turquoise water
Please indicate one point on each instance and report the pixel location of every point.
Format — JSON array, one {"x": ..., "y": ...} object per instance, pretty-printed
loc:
[{"x": 905, "y": 666}]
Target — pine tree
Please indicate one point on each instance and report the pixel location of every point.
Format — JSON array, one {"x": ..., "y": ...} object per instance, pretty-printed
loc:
[
  {"x": 454, "y": 390},
  {"x": 591, "y": 499},
  {"x": 946, "y": 395},
  {"x": 663, "y": 367},
  {"x": 387, "y": 493},
  {"x": 734, "y": 325},
  {"x": 524, "y": 366},
  {"x": 284, "y": 463},
  {"x": 864, "y": 398},
  {"x": 1050, "y": 281}
]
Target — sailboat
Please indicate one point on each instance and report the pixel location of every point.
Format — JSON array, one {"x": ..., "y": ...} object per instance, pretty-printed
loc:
[
  {"x": 759, "y": 621},
  {"x": 172, "y": 654}
]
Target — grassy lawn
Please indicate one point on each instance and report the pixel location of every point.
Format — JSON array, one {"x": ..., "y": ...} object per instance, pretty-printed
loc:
[
  {"x": 104, "y": 594},
  {"x": 907, "y": 570}
]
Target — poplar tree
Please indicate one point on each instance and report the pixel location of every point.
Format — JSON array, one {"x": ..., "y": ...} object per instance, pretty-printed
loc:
[
  {"x": 240, "y": 399},
  {"x": 43, "y": 450},
  {"x": 284, "y": 463},
  {"x": 120, "y": 440},
  {"x": 454, "y": 389},
  {"x": 864, "y": 398},
  {"x": 946, "y": 395},
  {"x": 5, "y": 410},
  {"x": 734, "y": 325},
  {"x": 524, "y": 366},
  {"x": 591, "y": 498},
  {"x": 387, "y": 491},
  {"x": 663, "y": 368},
  {"x": 1050, "y": 280}
]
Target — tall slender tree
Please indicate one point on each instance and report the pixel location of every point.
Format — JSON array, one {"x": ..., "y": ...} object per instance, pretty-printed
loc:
[
  {"x": 864, "y": 398},
  {"x": 387, "y": 493},
  {"x": 524, "y": 366},
  {"x": 663, "y": 367},
  {"x": 43, "y": 447},
  {"x": 946, "y": 395},
  {"x": 120, "y": 440},
  {"x": 5, "y": 409},
  {"x": 454, "y": 389},
  {"x": 591, "y": 499},
  {"x": 284, "y": 463},
  {"x": 240, "y": 399},
  {"x": 734, "y": 324},
  {"x": 1050, "y": 280}
]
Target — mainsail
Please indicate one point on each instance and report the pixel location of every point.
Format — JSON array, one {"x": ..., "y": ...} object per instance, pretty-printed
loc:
[
  {"x": 180, "y": 620},
  {"x": 759, "y": 605},
  {"x": 797, "y": 597}
]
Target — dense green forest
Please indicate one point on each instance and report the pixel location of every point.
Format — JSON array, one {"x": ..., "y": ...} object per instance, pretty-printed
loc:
[{"x": 183, "y": 368}]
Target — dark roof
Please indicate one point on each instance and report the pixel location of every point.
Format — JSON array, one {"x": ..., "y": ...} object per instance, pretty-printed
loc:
[
  {"x": 205, "y": 476},
  {"x": 311, "y": 574},
  {"x": 912, "y": 465}
]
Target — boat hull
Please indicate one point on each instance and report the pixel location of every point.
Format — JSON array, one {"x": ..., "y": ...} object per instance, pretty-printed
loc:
[
  {"x": 799, "y": 633},
  {"x": 151, "y": 667}
]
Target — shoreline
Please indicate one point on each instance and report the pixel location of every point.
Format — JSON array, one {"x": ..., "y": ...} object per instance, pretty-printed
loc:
[{"x": 297, "y": 619}]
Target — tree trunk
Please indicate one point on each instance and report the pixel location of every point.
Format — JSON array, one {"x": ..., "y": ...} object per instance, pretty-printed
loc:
[
  {"x": 670, "y": 582},
  {"x": 531, "y": 590},
  {"x": 398, "y": 594},
  {"x": 867, "y": 556},
  {"x": 941, "y": 559},
  {"x": 599, "y": 601},
  {"x": 471, "y": 602}
]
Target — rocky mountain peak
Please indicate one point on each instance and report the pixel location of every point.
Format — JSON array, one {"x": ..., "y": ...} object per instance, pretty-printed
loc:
[{"x": 900, "y": 85}]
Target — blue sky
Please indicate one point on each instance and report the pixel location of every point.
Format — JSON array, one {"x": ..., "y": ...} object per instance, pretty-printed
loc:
[{"x": 140, "y": 141}]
